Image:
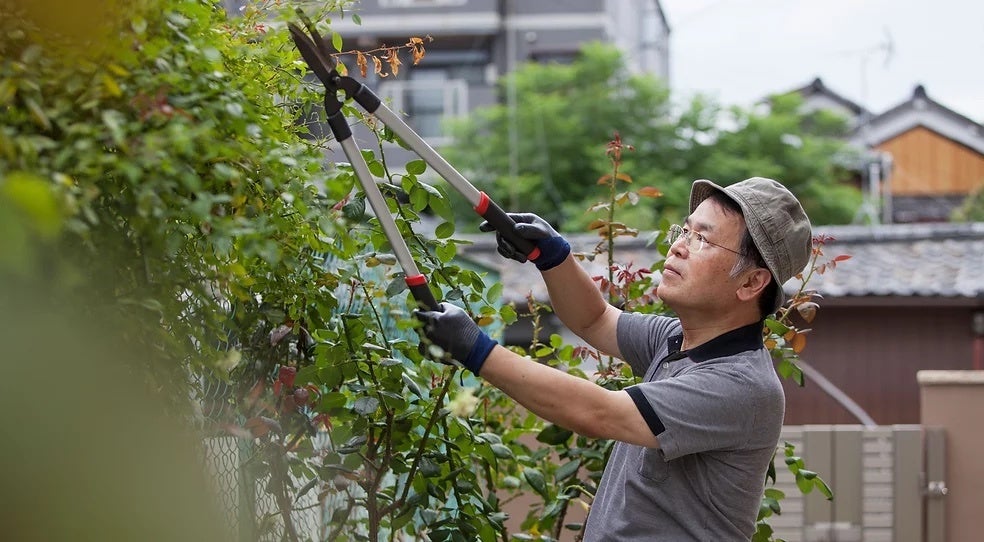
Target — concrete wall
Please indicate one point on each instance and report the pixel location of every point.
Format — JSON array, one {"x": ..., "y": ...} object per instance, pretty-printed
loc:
[{"x": 954, "y": 401}]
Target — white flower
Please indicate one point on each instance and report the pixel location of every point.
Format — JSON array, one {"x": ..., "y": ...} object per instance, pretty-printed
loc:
[
  {"x": 231, "y": 360},
  {"x": 464, "y": 403}
]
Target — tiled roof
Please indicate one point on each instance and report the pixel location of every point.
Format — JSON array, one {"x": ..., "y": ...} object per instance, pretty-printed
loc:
[
  {"x": 899, "y": 260},
  {"x": 909, "y": 260}
]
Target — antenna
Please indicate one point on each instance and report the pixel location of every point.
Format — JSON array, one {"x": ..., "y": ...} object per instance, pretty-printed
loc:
[{"x": 877, "y": 200}]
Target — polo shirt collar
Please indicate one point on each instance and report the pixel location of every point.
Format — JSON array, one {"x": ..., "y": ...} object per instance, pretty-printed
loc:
[{"x": 737, "y": 340}]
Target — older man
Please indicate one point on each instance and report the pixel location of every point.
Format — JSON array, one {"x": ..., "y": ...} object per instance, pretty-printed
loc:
[{"x": 695, "y": 437}]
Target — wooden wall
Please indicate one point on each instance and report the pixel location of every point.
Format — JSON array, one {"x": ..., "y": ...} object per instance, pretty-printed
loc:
[
  {"x": 926, "y": 163},
  {"x": 872, "y": 354}
]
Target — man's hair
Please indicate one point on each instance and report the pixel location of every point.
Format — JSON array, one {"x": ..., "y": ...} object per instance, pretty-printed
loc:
[{"x": 749, "y": 256}]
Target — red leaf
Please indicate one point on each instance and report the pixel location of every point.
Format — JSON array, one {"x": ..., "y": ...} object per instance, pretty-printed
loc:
[{"x": 286, "y": 375}]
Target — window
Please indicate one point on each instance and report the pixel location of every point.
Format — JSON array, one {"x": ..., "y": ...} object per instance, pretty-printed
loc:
[{"x": 427, "y": 99}]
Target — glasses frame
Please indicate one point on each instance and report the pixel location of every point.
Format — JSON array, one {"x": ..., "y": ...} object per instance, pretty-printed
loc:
[{"x": 676, "y": 231}]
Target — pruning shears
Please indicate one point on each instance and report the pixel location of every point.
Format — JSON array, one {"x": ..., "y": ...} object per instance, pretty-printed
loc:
[{"x": 314, "y": 49}]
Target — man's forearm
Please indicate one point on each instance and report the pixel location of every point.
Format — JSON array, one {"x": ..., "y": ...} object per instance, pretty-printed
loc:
[
  {"x": 570, "y": 402},
  {"x": 579, "y": 304}
]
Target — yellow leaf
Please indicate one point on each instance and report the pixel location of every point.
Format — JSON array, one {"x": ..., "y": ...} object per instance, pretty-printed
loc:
[
  {"x": 605, "y": 179},
  {"x": 117, "y": 70},
  {"x": 7, "y": 90},
  {"x": 649, "y": 192},
  {"x": 111, "y": 87},
  {"x": 799, "y": 343},
  {"x": 770, "y": 343},
  {"x": 598, "y": 223},
  {"x": 624, "y": 177},
  {"x": 485, "y": 320}
]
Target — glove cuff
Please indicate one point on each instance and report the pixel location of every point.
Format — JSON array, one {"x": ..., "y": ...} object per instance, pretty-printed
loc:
[
  {"x": 553, "y": 251},
  {"x": 479, "y": 353}
]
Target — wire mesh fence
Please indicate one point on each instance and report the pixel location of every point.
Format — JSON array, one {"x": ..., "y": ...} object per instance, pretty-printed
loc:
[{"x": 241, "y": 483}]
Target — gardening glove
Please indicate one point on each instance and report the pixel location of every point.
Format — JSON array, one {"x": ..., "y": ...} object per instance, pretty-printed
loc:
[
  {"x": 553, "y": 248},
  {"x": 453, "y": 330}
]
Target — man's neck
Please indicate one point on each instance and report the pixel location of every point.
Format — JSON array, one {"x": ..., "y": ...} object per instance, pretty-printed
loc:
[{"x": 698, "y": 329}]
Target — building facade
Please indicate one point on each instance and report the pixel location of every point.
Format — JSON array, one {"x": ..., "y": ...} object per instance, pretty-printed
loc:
[{"x": 475, "y": 42}]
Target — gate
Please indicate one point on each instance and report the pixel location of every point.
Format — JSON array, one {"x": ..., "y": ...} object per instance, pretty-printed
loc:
[{"x": 888, "y": 485}]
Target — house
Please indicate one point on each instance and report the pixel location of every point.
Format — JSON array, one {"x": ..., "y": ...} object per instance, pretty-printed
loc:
[
  {"x": 910, "y": 298},
  {"x": 923, "y": 158}
]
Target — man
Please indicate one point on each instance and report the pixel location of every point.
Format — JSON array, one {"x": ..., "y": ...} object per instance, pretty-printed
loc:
[{"x": 697, "y": 434}]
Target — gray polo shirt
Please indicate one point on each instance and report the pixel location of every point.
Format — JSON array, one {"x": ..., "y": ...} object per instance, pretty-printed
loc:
[{"x": 717, "y": 411}]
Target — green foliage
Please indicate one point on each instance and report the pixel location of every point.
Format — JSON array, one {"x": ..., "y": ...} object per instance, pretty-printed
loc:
[
  {"x": 972, "y": 207},
  {"x": 171, "y": 185},
  {"x": 564, "y": 110}
]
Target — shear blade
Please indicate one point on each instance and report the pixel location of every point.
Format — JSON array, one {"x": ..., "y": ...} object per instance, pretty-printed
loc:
[{"x": 313, "y": 52}]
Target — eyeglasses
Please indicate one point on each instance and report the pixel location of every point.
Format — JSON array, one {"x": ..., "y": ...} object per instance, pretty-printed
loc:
[{"x": 694, "y": 241}]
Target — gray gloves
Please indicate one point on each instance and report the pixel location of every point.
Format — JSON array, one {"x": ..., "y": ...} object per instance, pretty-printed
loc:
[
  {"x": 553, "y": 248},
  {"x": 454, "y": 331}
]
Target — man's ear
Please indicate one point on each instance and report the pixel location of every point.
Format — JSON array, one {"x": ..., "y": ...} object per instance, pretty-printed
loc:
[{"x": 753, "y": 283}]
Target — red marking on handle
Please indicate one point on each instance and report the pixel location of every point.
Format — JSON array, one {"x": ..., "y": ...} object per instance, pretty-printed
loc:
[
  {"x": 534, "y": 254},
  {"x": 483, "y": 203},
  {"x": 416, "y": 280}
]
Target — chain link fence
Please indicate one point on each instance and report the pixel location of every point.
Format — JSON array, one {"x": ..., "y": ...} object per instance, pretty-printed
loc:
[{"x": 251, "y": 511}]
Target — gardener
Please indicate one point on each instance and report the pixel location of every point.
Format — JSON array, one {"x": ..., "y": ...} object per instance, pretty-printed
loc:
[{"x": 696, "y": 436}]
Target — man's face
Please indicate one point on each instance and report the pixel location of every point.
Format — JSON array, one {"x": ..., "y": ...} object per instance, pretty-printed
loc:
[{"x": 699, "y": 280}]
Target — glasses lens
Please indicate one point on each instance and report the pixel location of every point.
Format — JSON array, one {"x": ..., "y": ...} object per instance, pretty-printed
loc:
[{"x": 673, "y": 234}]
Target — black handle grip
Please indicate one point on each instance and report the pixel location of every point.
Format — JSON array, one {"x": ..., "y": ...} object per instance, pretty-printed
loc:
[
  {"x": 422, "y": 293},
  {"x": 498, "y": 218}
]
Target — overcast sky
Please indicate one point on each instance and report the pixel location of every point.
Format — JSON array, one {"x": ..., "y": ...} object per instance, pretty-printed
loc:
[{"x": 741, "y": 50}]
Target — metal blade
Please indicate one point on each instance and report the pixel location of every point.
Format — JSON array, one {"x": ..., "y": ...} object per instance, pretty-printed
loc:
[{"x": 323, "y": 67}]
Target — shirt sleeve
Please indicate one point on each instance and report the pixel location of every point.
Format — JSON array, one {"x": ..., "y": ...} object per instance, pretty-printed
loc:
[
  {"x": 710, "y": 408},
  {"x": 641, "y": 337}
]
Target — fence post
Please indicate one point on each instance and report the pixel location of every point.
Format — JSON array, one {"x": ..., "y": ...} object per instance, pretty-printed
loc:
[
  {"x": 818, "y": 512},
  {"x": 848, "y": 478},
  {"x": 933, "y": 491},
  {"x": 907, "y": 483}
]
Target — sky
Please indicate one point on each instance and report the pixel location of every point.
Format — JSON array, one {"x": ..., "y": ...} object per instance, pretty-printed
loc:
[{"x": 739, "y": 51}]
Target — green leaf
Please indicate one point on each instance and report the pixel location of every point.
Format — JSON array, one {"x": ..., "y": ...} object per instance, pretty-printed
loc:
[
  {"x": 446, "y": 252},
  {"x": 418, "y": 198},
  {"x": 502, "y": 451},
  {"x": 444, "y": 230},
  {"x": 352, "y": 445},
  {"x": 776, "y": 327},
  {"x": 416, "y": 167},
  {"x": 365, "y": 405},
  {"x": 439, "y": 204},
  {"x": 508, "y": 314},
  {"x": 554, "y": 434},
  {"x": 333, "y": 400},
  {"x": 535, "y": 479},
  {"x": 411, "y": 385},
  {"x": 567, "y": 470},
  {"x": 397, "y": 285},
  {"x": 823, "y": 488},
  {"x": 494, "y": 293},
  {"x": 804, "y": 484},
  {"x": 376, "y": 168},
  {"x": 336, "y": 41}
]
